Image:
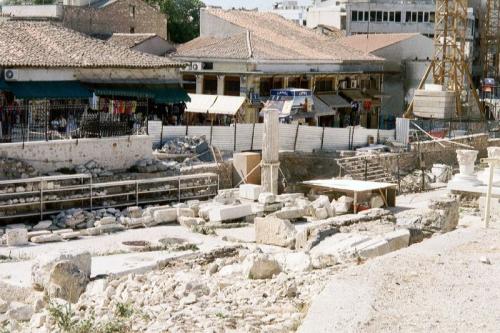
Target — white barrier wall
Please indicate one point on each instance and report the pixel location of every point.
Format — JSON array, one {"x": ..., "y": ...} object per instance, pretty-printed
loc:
[
  {"x": 112, "y": 153},
  {"x": 292, "y": 137}
]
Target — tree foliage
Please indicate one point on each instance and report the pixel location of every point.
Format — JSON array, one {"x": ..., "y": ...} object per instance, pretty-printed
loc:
[{"x": 183, "y": 18}]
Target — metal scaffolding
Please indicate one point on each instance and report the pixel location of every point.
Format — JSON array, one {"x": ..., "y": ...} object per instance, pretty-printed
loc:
[
  {"x": 490, "y": 39},
  {"x": 450, "y": 64}
]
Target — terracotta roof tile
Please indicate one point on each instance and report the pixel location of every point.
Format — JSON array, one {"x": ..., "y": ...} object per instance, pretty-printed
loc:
[
  {"x": 129, "y": 40},
  {"x": 373, "y": 42},
  {"x": 271, "y": 37},
  {"x": 47, "y": 44}
]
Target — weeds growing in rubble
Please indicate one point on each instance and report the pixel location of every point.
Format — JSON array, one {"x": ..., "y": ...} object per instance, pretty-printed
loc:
[
  {"x": 67, "y": 321},
  {"x": 63, "y": 316},
  {"x": 124, "y": 310}
]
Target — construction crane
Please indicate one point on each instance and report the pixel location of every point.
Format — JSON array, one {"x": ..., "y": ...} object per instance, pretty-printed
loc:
[{"x": 450, "y": 63}]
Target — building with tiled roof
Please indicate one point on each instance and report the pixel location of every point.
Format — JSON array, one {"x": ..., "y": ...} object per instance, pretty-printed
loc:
[
  {"x": 375, "y": 42},
  {"x": 145, "y": 43},
  {"x": 46, "y": 44},
  {"x": 34, "y": 47},
  {"x": 407, "y": 57},
  {"x": 265, "y": 36},
  {"x": 248, "y": 53}
]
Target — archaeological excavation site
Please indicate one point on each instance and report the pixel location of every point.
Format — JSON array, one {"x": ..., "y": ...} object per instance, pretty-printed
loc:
[
  {"x": 142, "y": 234},
  {"x": 310, "y": 166}
]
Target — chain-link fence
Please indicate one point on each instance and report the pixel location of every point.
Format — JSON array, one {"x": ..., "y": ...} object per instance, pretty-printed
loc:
[{"x": 452, "y": 128}]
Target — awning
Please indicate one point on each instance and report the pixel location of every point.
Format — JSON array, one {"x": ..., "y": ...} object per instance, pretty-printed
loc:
[
  {"x": 159, "y": 93},
  {"x": 215, "y": 104},
  {"x": 171, "y": 95},
  {"x": 355, "y": 95},
  {"x": 228, "y": 105},
  {"x": 118, "y": 91},
  {"x": 334, "y": 101},
  {"x": 46, "y": 89},
  {"x": 200, "y": 103}
]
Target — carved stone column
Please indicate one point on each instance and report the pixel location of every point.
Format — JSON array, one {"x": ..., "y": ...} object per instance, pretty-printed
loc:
[
  {"x": 220, "y": 85},
  {"x": 270, "y": 152},
  {"x": 466, "y": 177},
  {"x": 199, "y": 84},
  {"x": 493, "y": 152}
]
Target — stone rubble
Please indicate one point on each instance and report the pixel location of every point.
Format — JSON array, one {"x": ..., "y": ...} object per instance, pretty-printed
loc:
[
  {"x": 11, "y": 168},
  {"x": 274, "y": 231},
  {"x": 442, "y": 216},
  {"x": 183, "y": 145},
  {"x": 191, "y": 295},
  {"x": 93, "y": 168}
]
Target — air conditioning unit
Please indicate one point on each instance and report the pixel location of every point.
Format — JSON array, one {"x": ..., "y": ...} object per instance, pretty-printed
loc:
[
  {"x": 197, "y": 66},
  {"x": 354, "y": 84},
  {"x": 11, "y": 75}
]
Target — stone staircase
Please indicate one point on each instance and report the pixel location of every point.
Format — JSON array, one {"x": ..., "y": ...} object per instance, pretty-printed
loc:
[{"x": 364, "y": 167}]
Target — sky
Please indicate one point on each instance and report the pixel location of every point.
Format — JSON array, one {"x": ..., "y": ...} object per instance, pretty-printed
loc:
[{"x": 262, "y": 4}]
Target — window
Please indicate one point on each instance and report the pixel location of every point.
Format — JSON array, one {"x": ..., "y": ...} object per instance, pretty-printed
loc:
[
  {"x": 379, "y": 16},
  {"x": 386, "y": 16},
  {"x": 132, "y": 11},
  {"x": 324, "y": 85},
  {"x": 420, "y": 17},
  {"x": 354, "y": 16},
  {"x": 210, "y": 84},
  {"x": 373, "y": 15},
  {"x": 426, "y": 17},
  {"x": 294, "y": 82},
  {"x": 232, "y": 86},
  {"x": 132, "y": 30},
  {"x": 414, "y": 16},
  {"x": 208, "y": 65},
  {"x": 360, "y": 16},
  {"x": 397, "y": 16},
  {"x": 432, "y": 17},
  {"x": 391, "y": 16},
  {"x": 265, "y": 86},
  {"x": 278, "y": 83},
  {"x": 408, "y": 16},
  {"x": 367, "y": 16},
  {"x": 189, "y": 83}
]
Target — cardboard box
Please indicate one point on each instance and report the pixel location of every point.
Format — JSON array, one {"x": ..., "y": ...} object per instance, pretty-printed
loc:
[{"x": 243, "y": 164}]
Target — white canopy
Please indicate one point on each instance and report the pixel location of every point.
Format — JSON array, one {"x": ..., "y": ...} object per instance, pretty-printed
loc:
[
  {"x": 215, "y": 104},
  {"x": 228, "y": 105},
  {"x": 200, "y": 103}
]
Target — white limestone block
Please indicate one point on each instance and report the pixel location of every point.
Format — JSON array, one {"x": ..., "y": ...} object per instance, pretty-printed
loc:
[
  {"x": 267, "y": 198},
  {"x": 17, "y": 237},
  {"x": 227, "y": 213},
  {"x": 250, "y": 191},
  {"x": 165, "y": 215},
  {"x": 274, "y": 231},
  {"x": 398, "y": 239},
  {"x": 373, "y": 248}
]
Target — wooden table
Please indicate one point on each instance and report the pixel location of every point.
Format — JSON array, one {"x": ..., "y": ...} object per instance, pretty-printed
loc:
[{"x": 355, "y": 187}]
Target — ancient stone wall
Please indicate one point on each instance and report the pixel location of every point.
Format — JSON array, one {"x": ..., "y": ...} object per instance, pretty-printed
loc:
[
  {"x": 433, "y": 152},
  {"x": 224, "y": 170},
  {"x": 299, "y": 167},
  {"x": 122, "y": 16},
  {"x": 111, "y": 153}
]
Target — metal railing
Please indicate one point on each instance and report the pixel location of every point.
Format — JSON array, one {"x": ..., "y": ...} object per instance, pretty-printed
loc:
[{"x": 43, "y": 122}]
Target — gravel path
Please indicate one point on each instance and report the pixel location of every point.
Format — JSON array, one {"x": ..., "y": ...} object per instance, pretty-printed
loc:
[{"x": 440, "y": 285}]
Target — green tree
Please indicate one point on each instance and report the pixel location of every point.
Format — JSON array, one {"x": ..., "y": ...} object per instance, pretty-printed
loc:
[{"x": 183, "y": 18}]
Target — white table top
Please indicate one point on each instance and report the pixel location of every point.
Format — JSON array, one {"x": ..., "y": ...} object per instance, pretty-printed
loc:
[{"x": 349, "y": 185}]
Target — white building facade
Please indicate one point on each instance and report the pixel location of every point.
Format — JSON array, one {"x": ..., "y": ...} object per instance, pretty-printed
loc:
[
  {"x": 328, "y": 13},
  {"x": 291, "y": 10}
]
